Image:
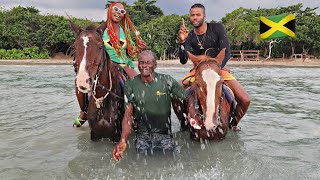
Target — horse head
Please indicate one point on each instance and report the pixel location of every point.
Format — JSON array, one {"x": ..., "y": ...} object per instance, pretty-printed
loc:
[
  {"x": 208, "y": 86},
  {"x": 90, "y": 55}
]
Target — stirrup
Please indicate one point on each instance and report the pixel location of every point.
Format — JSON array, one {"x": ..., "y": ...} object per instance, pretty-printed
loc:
[{"x": 78, "y": 122}]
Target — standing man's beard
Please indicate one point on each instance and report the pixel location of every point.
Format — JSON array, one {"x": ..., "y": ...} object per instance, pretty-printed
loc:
[{"x": 200, "y": 24}]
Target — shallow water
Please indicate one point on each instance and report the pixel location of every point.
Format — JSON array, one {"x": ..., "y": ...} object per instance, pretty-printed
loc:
[{"x": 279, "y": 137}]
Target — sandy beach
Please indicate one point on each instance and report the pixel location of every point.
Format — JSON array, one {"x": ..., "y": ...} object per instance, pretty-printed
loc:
[{"x": 169, "y": 63}]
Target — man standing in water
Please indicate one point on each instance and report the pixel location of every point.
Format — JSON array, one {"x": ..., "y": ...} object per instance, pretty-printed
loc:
[
  {"x": 210, "y": 39},
  {"x": 148, "y": 107}
]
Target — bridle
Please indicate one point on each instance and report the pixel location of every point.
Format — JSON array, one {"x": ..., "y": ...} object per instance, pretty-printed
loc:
[
  {"x": 200, "y": 114},
  {"x": 103, "y": 61}
]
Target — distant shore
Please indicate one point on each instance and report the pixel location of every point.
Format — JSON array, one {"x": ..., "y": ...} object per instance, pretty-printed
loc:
[{"x": 176, "y": 62}]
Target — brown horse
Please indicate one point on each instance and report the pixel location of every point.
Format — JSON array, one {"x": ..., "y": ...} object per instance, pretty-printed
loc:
[
  {"x": 212, "y": 111},
  {"x": 98, "y": 77}
]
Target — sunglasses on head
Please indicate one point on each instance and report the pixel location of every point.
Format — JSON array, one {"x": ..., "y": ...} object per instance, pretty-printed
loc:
[{"x": 116, "y": 9}]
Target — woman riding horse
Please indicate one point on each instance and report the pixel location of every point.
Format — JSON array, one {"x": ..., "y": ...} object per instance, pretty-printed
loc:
[
  {"x": 120, "y": 47},
  {"x": 98, "y": 77}
]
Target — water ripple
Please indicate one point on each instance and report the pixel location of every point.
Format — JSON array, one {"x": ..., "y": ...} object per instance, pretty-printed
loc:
[{"x": 279, "y": 137}]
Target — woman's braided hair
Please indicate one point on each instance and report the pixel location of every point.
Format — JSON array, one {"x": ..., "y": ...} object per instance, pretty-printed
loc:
[{"x": 127, "y": 25}]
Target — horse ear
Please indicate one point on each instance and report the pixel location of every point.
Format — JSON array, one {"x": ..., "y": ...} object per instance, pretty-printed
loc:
[
  {"x": 101, "y": 28},
  {"x": 197, "y": 59},
  {"x": 219, "y": 58},
  {"x": 191, "y": 56},
  {"x": 75, "y": 28},
  {"x": 194, "y": 59}
]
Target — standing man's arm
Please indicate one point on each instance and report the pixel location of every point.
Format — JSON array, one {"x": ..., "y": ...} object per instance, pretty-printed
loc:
[
  {"x": 223, "y": 43},
  {"x": 179, "y": 93},
  {"x": 184, "y": 43},
  {"x": 127, "y": 122},
  {"x": 176, "y": 90},
  {"x": 126, "y": 131}
]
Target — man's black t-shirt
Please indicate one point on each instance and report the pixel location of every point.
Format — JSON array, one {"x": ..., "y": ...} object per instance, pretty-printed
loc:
[{"x": 215, "y": 38}]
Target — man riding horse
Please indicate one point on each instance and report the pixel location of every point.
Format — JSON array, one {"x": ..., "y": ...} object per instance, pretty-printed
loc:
[{"x": 209, "y": 39}]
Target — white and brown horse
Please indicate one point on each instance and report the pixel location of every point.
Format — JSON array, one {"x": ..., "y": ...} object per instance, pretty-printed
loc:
[
  {"x": 212, "y": 111},
  {"x": 98, "y": 77}
]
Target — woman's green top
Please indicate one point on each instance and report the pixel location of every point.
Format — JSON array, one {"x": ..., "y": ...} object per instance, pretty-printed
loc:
[{"x": 122, "y": 60}]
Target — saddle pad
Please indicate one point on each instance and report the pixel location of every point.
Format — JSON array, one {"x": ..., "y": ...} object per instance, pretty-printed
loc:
[{"x": 228, "y": 94}]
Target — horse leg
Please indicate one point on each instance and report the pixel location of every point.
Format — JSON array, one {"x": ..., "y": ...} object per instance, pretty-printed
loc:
[
  {"x": 242, "y": 98},
  {"x": 94, "y": 136},
  {"x": 82, "y": 101},
  {"x": 179, "y": 110}
]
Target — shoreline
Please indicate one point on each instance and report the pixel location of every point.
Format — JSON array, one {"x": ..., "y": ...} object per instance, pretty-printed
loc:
[{"x": 176, "y": 62}]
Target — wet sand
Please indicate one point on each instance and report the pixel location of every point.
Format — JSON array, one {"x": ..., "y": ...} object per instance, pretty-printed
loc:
[{"x": 170, "y": 63}]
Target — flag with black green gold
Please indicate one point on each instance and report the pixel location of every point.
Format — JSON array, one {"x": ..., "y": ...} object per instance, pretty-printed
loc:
[{"x": 279, "y": 26}]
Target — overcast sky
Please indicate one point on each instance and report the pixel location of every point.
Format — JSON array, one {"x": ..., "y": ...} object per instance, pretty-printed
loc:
[{"x": 94, "y": 9}]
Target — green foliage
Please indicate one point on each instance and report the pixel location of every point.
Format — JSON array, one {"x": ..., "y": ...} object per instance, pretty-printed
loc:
[
  {"x": 18, "y": 27},
  {"x": 242, "y": 27},
  {"x": 25, "y": 53},
  {"x": 24, "y": 27},
  {"x": 141, "y": 11},
  {"x": 161, "y": 33},
  {"x": 24, "y": 33}
]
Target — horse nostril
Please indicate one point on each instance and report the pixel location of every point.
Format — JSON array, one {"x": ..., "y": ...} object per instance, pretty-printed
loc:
[
  {"x": 82, "y": 88},
  {"x": 89, "y": 81}
]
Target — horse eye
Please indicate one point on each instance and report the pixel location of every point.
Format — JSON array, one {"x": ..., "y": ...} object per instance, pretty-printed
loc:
[{"x": 97, "y": 63}]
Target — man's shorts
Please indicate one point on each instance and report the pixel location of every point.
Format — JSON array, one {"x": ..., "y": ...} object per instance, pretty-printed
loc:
[{"x": 150, "y": 141}]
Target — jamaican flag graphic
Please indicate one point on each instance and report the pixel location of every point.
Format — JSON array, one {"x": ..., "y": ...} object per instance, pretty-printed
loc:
[{"x": 279, "y": 26}]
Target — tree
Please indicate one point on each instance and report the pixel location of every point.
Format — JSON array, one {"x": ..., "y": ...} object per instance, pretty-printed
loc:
[
  {"x": 24, "y": 27},
  {"x": 161, "y": 33},
  {"x": 19, "y": 27},
  {"x": 141, "y": 11},
  {"x": 242, "y": 27}
]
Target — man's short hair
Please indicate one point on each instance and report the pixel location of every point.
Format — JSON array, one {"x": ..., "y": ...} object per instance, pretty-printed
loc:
[
  {"x": 148, "y": 53},
  {"x": 198, "y": 5}
]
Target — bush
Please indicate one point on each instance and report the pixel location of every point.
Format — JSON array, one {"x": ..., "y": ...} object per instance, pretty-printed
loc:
[{"x": 25, "y": 53}]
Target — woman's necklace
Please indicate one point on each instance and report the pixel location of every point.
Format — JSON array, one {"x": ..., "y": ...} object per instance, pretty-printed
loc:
[{"x": 200, "y": 43}]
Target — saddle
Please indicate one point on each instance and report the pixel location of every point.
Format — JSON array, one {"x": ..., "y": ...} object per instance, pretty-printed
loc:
[
  {"x": 230, "y": 97},
  {"x": 122, "y": 75}
]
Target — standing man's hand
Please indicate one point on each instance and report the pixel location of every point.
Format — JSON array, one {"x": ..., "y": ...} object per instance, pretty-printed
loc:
[
  {"x": 118, "y": 150},
  {"x": 183, "y": 32}
]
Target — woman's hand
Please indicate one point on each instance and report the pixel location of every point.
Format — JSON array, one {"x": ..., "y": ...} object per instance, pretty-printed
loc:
[{"x": 141, "y": 44}]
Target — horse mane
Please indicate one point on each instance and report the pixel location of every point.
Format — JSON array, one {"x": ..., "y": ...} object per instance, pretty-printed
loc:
[
  {"x": 196, "y": 60},
  {"x": 91, "y": 27}
]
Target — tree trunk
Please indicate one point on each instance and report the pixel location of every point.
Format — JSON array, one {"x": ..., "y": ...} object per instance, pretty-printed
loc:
[
  {"x": 265, "y": 50},
  {"x": 292, "y": 49},
  {"x": 271, "y": 46}
]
